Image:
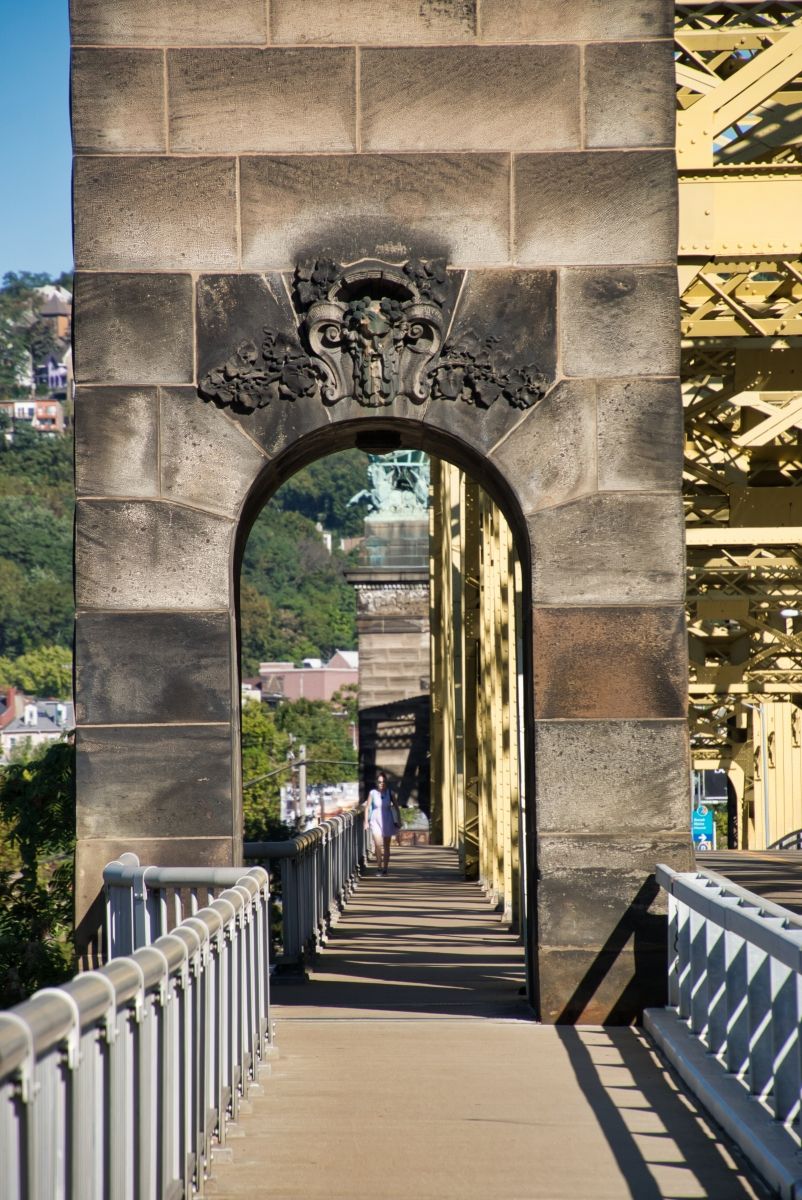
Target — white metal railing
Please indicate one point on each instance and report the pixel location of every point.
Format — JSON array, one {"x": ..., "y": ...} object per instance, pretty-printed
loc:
[
  {"x": 733, "y": 1027},
  {"x": 318, "y": 871},
  {"x": 114, "y": 1086}
]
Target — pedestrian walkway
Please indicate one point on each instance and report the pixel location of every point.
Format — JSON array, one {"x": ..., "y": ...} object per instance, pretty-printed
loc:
[{"x": 409, "y": 1067}]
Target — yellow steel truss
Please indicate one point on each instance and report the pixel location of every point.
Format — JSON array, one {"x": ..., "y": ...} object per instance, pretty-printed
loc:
[{"x": 739, "y": 153}]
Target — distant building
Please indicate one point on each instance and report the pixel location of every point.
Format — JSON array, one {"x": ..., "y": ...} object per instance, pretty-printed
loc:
[
  {"x": 56, "y": 309},
  {"x": 313, "y": 680},
  {"x": 52, "y": 374},
  {"x": 39, "y": 721}
]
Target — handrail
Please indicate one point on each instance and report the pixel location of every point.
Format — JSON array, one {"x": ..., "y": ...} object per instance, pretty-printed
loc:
[
  {"x": 788, "y": 841},
  {"x": 318, "y": 871},
  {"x": 733, "y": 1025},
  {"x": 116, "y": 1084}
]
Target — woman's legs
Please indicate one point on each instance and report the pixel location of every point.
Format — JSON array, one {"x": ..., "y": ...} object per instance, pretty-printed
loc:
[
  {"x": 378, "y": 850},
  {"x": 386, "y": 863}
]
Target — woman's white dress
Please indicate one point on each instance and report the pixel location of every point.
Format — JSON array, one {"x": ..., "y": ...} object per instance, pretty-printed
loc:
[{"x": 380, "y": 813}]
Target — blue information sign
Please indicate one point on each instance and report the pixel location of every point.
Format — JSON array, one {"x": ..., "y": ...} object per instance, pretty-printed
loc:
[{"x": 702, "y": 827}]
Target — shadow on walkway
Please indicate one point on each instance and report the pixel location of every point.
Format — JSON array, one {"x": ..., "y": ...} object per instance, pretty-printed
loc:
[
  {"x": 409, "y": 1066},
  {"x": 420, "y": 941}
]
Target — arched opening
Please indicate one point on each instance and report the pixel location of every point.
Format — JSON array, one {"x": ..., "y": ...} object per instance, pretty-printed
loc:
[{"x": 475, "y": 686}]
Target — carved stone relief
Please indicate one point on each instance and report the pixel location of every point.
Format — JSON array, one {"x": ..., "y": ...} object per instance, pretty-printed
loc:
[{"x": 374, "y": 332}]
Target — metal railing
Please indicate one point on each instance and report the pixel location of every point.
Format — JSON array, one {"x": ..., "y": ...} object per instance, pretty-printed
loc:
[
  {"x": 114, "y": 1086},
  {"x": 789, "y": 841},
  {"x": 317, "y": 872},
  {"x": 733, "y": 1027}
]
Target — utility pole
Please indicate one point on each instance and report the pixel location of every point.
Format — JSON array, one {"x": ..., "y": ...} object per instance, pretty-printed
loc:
[{"x": 301, "y": 786}]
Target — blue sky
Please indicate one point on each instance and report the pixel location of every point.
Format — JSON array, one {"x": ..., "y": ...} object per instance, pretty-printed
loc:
[{"x": 34, "y": 136}]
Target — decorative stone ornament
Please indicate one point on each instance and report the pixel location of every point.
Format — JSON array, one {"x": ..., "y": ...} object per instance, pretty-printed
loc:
[{"x": 374, "y": 332}]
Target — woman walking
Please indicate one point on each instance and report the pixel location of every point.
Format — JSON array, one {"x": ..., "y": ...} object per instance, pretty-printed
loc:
[{"x": 382, "y": 818}]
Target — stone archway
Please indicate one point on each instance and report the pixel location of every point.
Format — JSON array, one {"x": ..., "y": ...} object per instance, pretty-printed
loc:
[
  {"x": 220, "y": 145},
  {"x": 465, "y": 364}
]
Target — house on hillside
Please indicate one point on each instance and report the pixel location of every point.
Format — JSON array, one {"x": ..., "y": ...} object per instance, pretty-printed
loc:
[{"x": 39, "y": 721}]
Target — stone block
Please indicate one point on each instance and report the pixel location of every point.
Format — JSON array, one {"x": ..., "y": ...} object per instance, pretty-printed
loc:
[
  {"x": 550, "y": 457},
  {"x": 518, "y": 309},
  {"x": 385, "y": 206},
  {"x": 610, "y": 662},
  {"x": 470, "y": 98},
  {"x": 133, "y": 329},
  {"x": 232, "y": 309},
  {"x": 116, "y": 441},
  {"x": 590, "y": 987},
  {"x": 196, "y": 440},
  {"x": 630, "y": 94},
  {"x": 146, "y": 555},
  {"x": 581, "y": 20},
  {"x": 404, "y": 22},
  {"x": 595, "y": 208},
  {"x": 640, "y": 435},
  {"x": 609, "y": 549},
  {"x": 620, "y": 322},
  {"x": 626, "y": 851},
  {"x": 583, "y": 909},
  {"x": 594, "y": 776},
  {"x": 155, "y": 213},
  {"x": 179, "y": 23},
  {"x": 154, "y": 781},
  {"x": 224, "y": 101},
  {"x": 117, "y": 101},
  {"x": 151, "y": 668}
]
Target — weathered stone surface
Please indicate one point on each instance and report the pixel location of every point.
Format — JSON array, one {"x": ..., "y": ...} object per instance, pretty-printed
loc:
[
  {"x": 626, "y": 851},
  {"x": 610, "y": 662},
  {"x": 149, "y": 668},
  {"x": 518, "y": 308},
  {"x": 385, "y": 206},
  {"x": 179, "y": 23},
  {"x": 262, "y": 100},
  {"x": 197, "y": 439},
  {"x": 117, "y": 100},
  {"x": 140, "y": 213},
  {"x": 595, "y": 776},
  {"x": 609, "y": 549},
  {"x": 154, "y": 781},
  {"x": 470, "y": 98},
  {"x": 640, "y": 435},
  {"x": 595, "y": 208},
  {"x": 404, "y": 22},
  {"x": 133, "y": 329},
  {"x": 629, "y": 94},
  {"x": 589, "y": 987},
  {"x": 116, "y": 441},
  {"x": 581, "y": 20},
  {"x": 580, "y": 909},
  {"x": 620, "y": 322},
  {"x": 145, "y": 554},
  {"x": 550, "y": 457},
  {"x": 232, "y": 309}
]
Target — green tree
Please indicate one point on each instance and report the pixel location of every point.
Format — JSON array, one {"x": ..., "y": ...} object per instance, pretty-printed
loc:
[
  {"x": 322, "y": 491},
  {"x": 45, "y": 671},
  {"x": 37, "y": 811},
  {"x": 41, "y": 341},
  {"x": 264, "y": 751}
]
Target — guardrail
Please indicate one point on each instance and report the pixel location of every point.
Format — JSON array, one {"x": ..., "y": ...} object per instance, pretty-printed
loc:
[
  {"x": 733, "y": 1025},
  {"x": 114, "y": 1086},
  {"x": 789, "y": 841},
  {"x": 318, "y": 871}
]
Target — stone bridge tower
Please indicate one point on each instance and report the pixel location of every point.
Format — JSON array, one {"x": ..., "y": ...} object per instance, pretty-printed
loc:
[{"x": 445, "y": 221}]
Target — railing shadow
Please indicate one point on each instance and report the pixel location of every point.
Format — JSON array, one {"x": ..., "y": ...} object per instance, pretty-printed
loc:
[{"x": 652, "y": 1090}]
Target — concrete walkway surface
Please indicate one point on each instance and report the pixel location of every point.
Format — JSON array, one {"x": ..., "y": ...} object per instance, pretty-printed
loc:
[{"x": 409, "y": 1067}]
